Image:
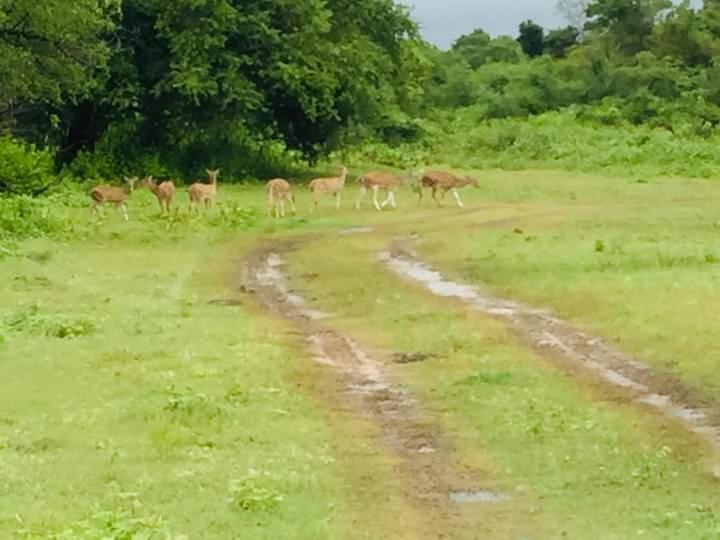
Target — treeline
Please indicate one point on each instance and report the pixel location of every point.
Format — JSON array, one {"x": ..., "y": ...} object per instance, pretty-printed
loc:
[
  {"x": 108, "y": 87},
  {"x": 171, "y": 87},
  {"x": 638, "y": 61}
]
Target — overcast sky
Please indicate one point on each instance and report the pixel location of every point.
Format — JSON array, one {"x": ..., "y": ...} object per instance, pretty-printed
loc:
[{"x": 443, "y": 21}]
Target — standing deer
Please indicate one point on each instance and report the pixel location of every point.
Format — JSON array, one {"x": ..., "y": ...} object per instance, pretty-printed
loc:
[
  {"x": 375, "y": 181},
  {"x": 164, "y": 192},
  {"x": 328, "y": 186},
  {"x": 444, "y": 182},
  {"x": 201, "y": 192},
  {"x": 117, "y": 196},
  {"x": 279, "y": 191}
]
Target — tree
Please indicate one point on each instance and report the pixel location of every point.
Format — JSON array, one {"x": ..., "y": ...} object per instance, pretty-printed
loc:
[
  {"x": 628, "y": 23},
  {"x": 473, "y": 47},
  {"x": 204, "y": 75},
  {"x": 558, "y": 42},
  {"x": 574, "y": 11},
  {"x": 531, "y": 38},
  {"x": 50, "y": 52}
]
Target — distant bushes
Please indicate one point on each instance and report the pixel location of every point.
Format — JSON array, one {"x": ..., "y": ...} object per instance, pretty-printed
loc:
[
  {"x": 24, "y": 169},
  {"x": 576, "y": 139}
]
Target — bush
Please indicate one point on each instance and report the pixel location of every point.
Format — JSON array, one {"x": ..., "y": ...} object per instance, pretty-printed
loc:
[
  {"x": 27, "y": 217},
  {"x": 24, "y": 169}
]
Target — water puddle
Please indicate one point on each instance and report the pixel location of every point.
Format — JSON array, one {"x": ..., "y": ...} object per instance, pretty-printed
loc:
[
  {"x": 271, "y": 276},
  {"x": 477, "y": 497},
  {"x": 356, "y": 230},
  {"x": 545, "y": 331}
]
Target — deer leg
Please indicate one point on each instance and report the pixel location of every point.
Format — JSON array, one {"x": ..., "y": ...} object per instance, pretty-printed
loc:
[
  {"x": 282, "y": 208},
  {"x": 456, "y": 194},
  {"x": 124, "y": 209},
  {"x": 315, "y": 204},
  {"x": 361, "y": 197},
  {"x": 390, "y": 199},
  {"x": 434, "y": 195},
  {"x": 376, "y": 190},
  {"x": 292, "y": 206},
  {"x": 338, "y": 201}
]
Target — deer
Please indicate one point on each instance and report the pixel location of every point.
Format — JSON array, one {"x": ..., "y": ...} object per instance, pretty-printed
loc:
[
  {"x": 164, "y": 192},
  {"x": 200, "y": 192},
  {"x": 443, "y": 182},
  {"x": 328, "y": 186},
  {"x": 279, "y": 191},
  {"x": 117, "y": 196},
  {"x": 375, "y": 181}
]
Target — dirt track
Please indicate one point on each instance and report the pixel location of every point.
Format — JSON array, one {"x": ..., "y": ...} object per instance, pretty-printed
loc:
[
  {"x": 430, "y": 481},
  {"x": 574, "y": 349}
]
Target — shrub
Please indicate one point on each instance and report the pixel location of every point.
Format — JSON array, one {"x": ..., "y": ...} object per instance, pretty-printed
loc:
[{"x": 24, "y": 169}]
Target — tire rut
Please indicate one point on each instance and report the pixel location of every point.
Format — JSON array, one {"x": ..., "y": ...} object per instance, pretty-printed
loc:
[
  {"x": 559, "y": 340},
  {"x": 429, "y": 479}
]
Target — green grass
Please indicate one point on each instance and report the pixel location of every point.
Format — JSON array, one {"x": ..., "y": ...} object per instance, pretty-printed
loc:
[
  {"x": 129, "y": 402},
  {"x": 576, "y": 462},
  {"x": 635, "y": 263},
  {"x": 131, "y": 406}
]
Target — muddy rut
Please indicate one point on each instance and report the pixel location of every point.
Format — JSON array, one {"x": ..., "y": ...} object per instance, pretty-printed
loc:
[
  {"x": 560, "y": 341},
  {"x": 430, "y": 481}
]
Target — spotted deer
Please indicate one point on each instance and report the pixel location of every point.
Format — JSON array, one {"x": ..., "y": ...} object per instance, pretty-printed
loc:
[
  {"x": 204, "y": 193},
  {"x": 443, "y": 182},
  {"x": 117, "y": 196},
  {"x": 279, "y": 191},
  {"x": 328, "y": 186},
  {"x": 164, "y": 192},
  {"x": 378, "y": 180}
]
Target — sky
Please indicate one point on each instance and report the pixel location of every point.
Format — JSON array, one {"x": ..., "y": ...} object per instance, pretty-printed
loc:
[{"x": 443, "y": 21}]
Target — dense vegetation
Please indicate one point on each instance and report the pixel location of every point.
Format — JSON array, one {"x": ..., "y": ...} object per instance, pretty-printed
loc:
[{"x": 149, "y": 86}]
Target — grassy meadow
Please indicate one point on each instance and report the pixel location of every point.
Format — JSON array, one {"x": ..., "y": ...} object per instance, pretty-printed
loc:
[{"x": 144, "y": 395}]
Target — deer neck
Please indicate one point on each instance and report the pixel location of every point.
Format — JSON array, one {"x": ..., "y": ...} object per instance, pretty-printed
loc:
[{"x": 153, "y": 187}]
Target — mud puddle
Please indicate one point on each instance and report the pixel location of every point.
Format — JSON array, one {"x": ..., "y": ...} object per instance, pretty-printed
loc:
[
  {"x": 545, "y": 332},
  {"x": 426, "y": 472}
]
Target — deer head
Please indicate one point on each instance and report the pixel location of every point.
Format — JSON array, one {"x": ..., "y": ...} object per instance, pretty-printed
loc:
[
  {"x": 146, "y": 182},
  {"x": 131, "y": 181},
  {"x": 470, "y": 181},
  {"x": 213, "y": 175}
]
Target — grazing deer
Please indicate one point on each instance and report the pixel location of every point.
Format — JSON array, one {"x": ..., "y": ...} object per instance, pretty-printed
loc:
[
  {"x": 376, "y": 181},
  {"x": 279, "y": 191},
  {"x": 443, "y": 182},
  {"x": 201, "y": 192},
  {"x": 117, "y": 196},
  {"x": 164, "y": 192},
  {"x": 328, "y": 186}
]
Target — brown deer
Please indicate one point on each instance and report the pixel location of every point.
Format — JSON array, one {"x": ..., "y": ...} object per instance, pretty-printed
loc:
[
  {"x": 200, "y": 192},
  {"x": 164, "y": 192},
  {"x": 378, "y": 180},
  {"x": 443, "y": 182},
  {"x": 117, "y": 196},
  {"x": 279, "y": 191},
  {"x": 328, "y": 186}
]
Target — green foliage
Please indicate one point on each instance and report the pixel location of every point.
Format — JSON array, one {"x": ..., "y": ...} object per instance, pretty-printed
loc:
[
  {"x": 531, "y": 39},
  {"x": 26, "y": 217},
  {"x": 558, "y": 42},
  {"x": 31, "y": 320},
  {"x": 24, "y": 169},
  {"x": 250, "y": 495},
  {"x": 49, "y": 52}
]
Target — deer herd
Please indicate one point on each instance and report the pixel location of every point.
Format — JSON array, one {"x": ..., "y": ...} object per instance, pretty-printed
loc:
[{"x": 280, "y": 191}]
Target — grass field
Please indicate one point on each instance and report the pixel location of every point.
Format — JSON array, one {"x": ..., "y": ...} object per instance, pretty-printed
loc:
[{"x": 143, "y": 394}]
